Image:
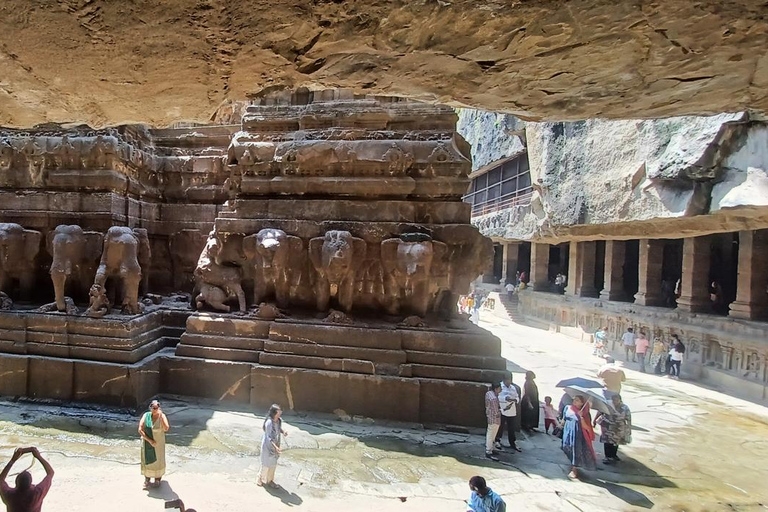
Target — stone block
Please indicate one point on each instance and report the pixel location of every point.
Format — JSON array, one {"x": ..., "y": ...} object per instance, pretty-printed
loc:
[
  {"x": 203, "y": 340},
  {"x": 340, "y": 335},
  {"x": 484, "y": 344},
  {"x": 270, "y": 385},
  {"x": 217, "y": 380},
  {"x": 448, "y": 359},
  {"x": 206, "y": 323},
  {"x": 50, "y": 378},
  {"x": 13, "y": 375},
  {"x": 450, "y": 402},
  {"x": 145, "y": 380},
  {"x": 103, "y": 383},
  {"x": 308, "y": 349},
  {"x": 365, "y": 395},
  {"x": 292, "y": 361},
  {"x": 223, "y": 354},
  {"x": 454, "y": 373}
]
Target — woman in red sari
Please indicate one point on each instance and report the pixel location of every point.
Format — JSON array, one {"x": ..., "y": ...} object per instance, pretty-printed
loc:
[{"x": 578, "y": 436}]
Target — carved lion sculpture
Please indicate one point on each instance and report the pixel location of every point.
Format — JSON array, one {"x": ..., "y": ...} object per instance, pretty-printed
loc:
[
  {"x": 119, "y": 259},
  {"x": 18, "y": 250},
  {"x": 216, "y": 283},
  {"x": 277, "y": 261},
  {"x": 407, "y": 263},
  {"x": 336, "y": 258},
  {"x": 99, "y": 305},
  {"x": 75, "y": 257}
]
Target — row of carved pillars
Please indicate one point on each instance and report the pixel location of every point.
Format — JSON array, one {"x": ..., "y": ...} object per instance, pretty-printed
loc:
[{"x": 751, "y": 288}]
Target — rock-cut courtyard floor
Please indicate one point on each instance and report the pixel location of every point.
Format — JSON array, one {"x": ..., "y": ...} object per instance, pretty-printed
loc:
[{"x": 693, "y": 449}]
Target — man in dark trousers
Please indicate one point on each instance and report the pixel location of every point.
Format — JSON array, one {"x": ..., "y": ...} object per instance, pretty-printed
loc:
[{"x": 25, "y": 497}]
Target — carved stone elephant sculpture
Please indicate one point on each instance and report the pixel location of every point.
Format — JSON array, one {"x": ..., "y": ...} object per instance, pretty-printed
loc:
[
  {"x": 120, "y": 260},
  {"x": 407, "y": 263},
  {"x": 75, "y": 257},
  {"x": 336, "y": 257},
  {"x": 144, "y": 257},
  {"x": 18, "y": 250},
  {"x": 216, "y": 283},
  {"x": 277, "y": 261}
]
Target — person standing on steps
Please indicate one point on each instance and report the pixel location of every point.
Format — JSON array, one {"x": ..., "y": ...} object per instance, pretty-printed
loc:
[
  {"x": 529, "y": 405},
  {"x": 270, "y": 446},
  {"x": 628, "y": 340},
  {"x": 25, "y": 497},
  {"x": 508, "y": 400},
  {"x": 493, "y": 416},
  {"x": 641, "y": 348},
  {"x": 152, "y": 428},
  {"x": 510, "y": 289}
]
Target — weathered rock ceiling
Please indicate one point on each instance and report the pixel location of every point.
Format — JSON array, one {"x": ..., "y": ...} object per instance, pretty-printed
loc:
[{"x": 102, "y": 62}]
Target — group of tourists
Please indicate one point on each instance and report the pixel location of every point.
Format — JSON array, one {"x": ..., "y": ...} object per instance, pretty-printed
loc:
[
  {"x": 507, "y": 409},
  {"x": 510, "y": 409},
  {"x": 579, "y": 434},
  {"x": 662, "y": 357}
]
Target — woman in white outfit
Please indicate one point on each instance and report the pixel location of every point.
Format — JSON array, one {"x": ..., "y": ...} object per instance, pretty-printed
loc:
[{"x": 270, "y": 446}]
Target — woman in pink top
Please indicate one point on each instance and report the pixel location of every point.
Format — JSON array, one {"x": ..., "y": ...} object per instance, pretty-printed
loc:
[{"x": 641, "y": 348}]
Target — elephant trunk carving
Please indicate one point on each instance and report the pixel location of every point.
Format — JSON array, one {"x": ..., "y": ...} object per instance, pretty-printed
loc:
[
  {"x": 119, "y": 259},
  {"x": 277, "y": 260},
  {"x": 336, "y": 258},
  {"x": 18, "y": 251}
]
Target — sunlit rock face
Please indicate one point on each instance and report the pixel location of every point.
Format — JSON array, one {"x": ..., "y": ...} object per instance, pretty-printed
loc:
[
  {"x": 674, "y": 176},
  {"x": 106, "y": 63}
]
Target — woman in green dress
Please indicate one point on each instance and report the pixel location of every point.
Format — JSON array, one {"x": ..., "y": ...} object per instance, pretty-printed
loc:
[{"x": 152, "y": 428}]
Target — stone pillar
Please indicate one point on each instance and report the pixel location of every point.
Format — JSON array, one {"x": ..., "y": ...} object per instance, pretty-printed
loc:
[
  {"x": 584, "y": 282},
  {"x": 539, "y": 267},
  {"x": 694, "y": 293},
  {"x": 615, "y": 252},
  {"x": 509, "y": 265},
  {"x": 751, "y": 298},
  {"x": 650, "y": 260},
  {"x": 574, "y": 254}
]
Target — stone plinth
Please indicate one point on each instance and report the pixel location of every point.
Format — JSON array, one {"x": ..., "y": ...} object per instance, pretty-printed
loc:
[
  {"x": 469, "y": 354},
  {"x": 114, "y": 338}
]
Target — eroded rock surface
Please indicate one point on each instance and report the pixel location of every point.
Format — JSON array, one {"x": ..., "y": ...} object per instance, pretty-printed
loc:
[
  {"x": 666, "y": 178},
  {"x": 107, "y": 63}
]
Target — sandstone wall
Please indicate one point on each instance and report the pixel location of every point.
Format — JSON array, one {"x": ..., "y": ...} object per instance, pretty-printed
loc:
[{"x": 106, "y": 63}]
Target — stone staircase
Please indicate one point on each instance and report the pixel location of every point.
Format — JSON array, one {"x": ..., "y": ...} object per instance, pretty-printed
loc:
[{"x": 509, "y": 308}]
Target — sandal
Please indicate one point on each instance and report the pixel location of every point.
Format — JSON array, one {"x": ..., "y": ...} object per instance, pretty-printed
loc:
[{"x": 260, "y": 483}]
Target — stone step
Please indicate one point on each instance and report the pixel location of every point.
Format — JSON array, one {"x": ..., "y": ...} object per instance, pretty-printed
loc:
[
  {"x": 454, "y": 373},
  {"x": 456, "y": 360},
  {"x": 317, "y": 363},
  {"x": 339, "y": 335},
  {"x": 214, "y": 341},
  {"x": 469, "y": 343},
  {"x": 224, "y": 354},
  {"x": 205, "y": 323},
  {"x": 334, "y": 351}
]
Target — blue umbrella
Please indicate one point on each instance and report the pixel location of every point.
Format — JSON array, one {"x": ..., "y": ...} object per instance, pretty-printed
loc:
[{"x": 580, "y": 382}]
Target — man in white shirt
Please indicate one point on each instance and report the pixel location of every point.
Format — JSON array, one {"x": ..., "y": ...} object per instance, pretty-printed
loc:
[
  {"x": 510, "y": 289},
  {"x": 508, "y": 400},
  {"x": 628, "y": 340}
]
